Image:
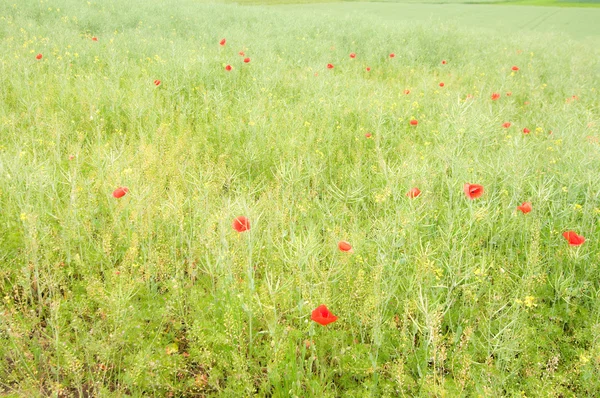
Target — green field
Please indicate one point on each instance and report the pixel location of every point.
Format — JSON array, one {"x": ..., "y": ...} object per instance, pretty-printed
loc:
[
  {"x": 552, "y": 22},
  {"x": 155, "y": 294},
  {"x": 547, "y": 3}
]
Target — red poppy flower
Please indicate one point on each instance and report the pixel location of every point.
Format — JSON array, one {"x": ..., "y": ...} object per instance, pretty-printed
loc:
[
  {"x": 506, "y": 125},
  {"x": 515, "y": 68},
  {"x": 323, "y": 316},
  {"x": 345, "y": 246},
  {"x": 39, "y": 56},
  {"x": 495, "y": 96},
  {"x": 525, "y": 207},
  {"x": 473, "y": 191},
  {"x": 392, "y": 55},
  {"x": 526, "y": 131},
  {"x": 509, "y": 93},
  {"x": 94, "y": 38},
  {"x": 407, "y": 91},
  {"x": 368, "y": 69},
  {"x": 413, "y": 122},
  {"x": 71, "y": 157},
  {"x": 241, "y": 224},
  {"x": 442, "y": 84},
  {"x": 352, "y": 55},
  {"x": 368, "y": 135},
  {"x": 443, "y": 62},
  {"x": 469, "y": 96},
  {"x": 246, "y": 60},
  {"x": 329, "y": 66},
  {"x": 222, "y": 42},
  {"x": 413, "y": 193},
  {"x": 573, "y": 238},
  {"x": 241, "y": 53},
  {"x": 157, "y": 82},
  {"x": 228, "y": 68},
  {"x": 120, "y": 192}
]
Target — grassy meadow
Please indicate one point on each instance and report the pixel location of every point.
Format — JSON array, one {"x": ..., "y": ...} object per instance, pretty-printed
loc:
[{"x": 155, "y": 294}]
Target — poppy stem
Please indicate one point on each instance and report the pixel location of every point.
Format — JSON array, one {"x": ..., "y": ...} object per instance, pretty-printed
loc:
[{"x": 250, "y": 272}]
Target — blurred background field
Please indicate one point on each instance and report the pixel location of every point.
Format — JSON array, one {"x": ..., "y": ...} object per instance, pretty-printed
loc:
[
  {"x": 548, "y": 3},
  {"x": 571, "y": 18},
  {"x": 155, "y": 294}
]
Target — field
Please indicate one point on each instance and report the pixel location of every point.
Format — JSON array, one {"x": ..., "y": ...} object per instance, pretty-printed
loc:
[{"x": 151, "y": 291}]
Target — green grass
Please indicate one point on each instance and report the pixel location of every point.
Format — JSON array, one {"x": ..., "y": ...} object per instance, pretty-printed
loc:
[{"x": 155, "y": 294}]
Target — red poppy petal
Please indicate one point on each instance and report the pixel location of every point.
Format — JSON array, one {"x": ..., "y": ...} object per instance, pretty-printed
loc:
[
  {"x": 525, "y": 207},
  {"x": 413, "y": 193},
  {"x": 241, "y": 224},
  {"x": 573, "y": 238},
  {"x": 322, "y": 315},
  {"x": 345, "y": 246},
  {"x": 120, "y": 192},
  {"x": 473, "y": 191}
]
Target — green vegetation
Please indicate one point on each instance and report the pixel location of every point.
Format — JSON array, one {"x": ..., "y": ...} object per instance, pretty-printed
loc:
[
  {"x": 555, "y": 3},
  {"x": 578, "y": 23},
  {"x": 155, "y": 294},
  {"x": 551, "y": 3}
]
